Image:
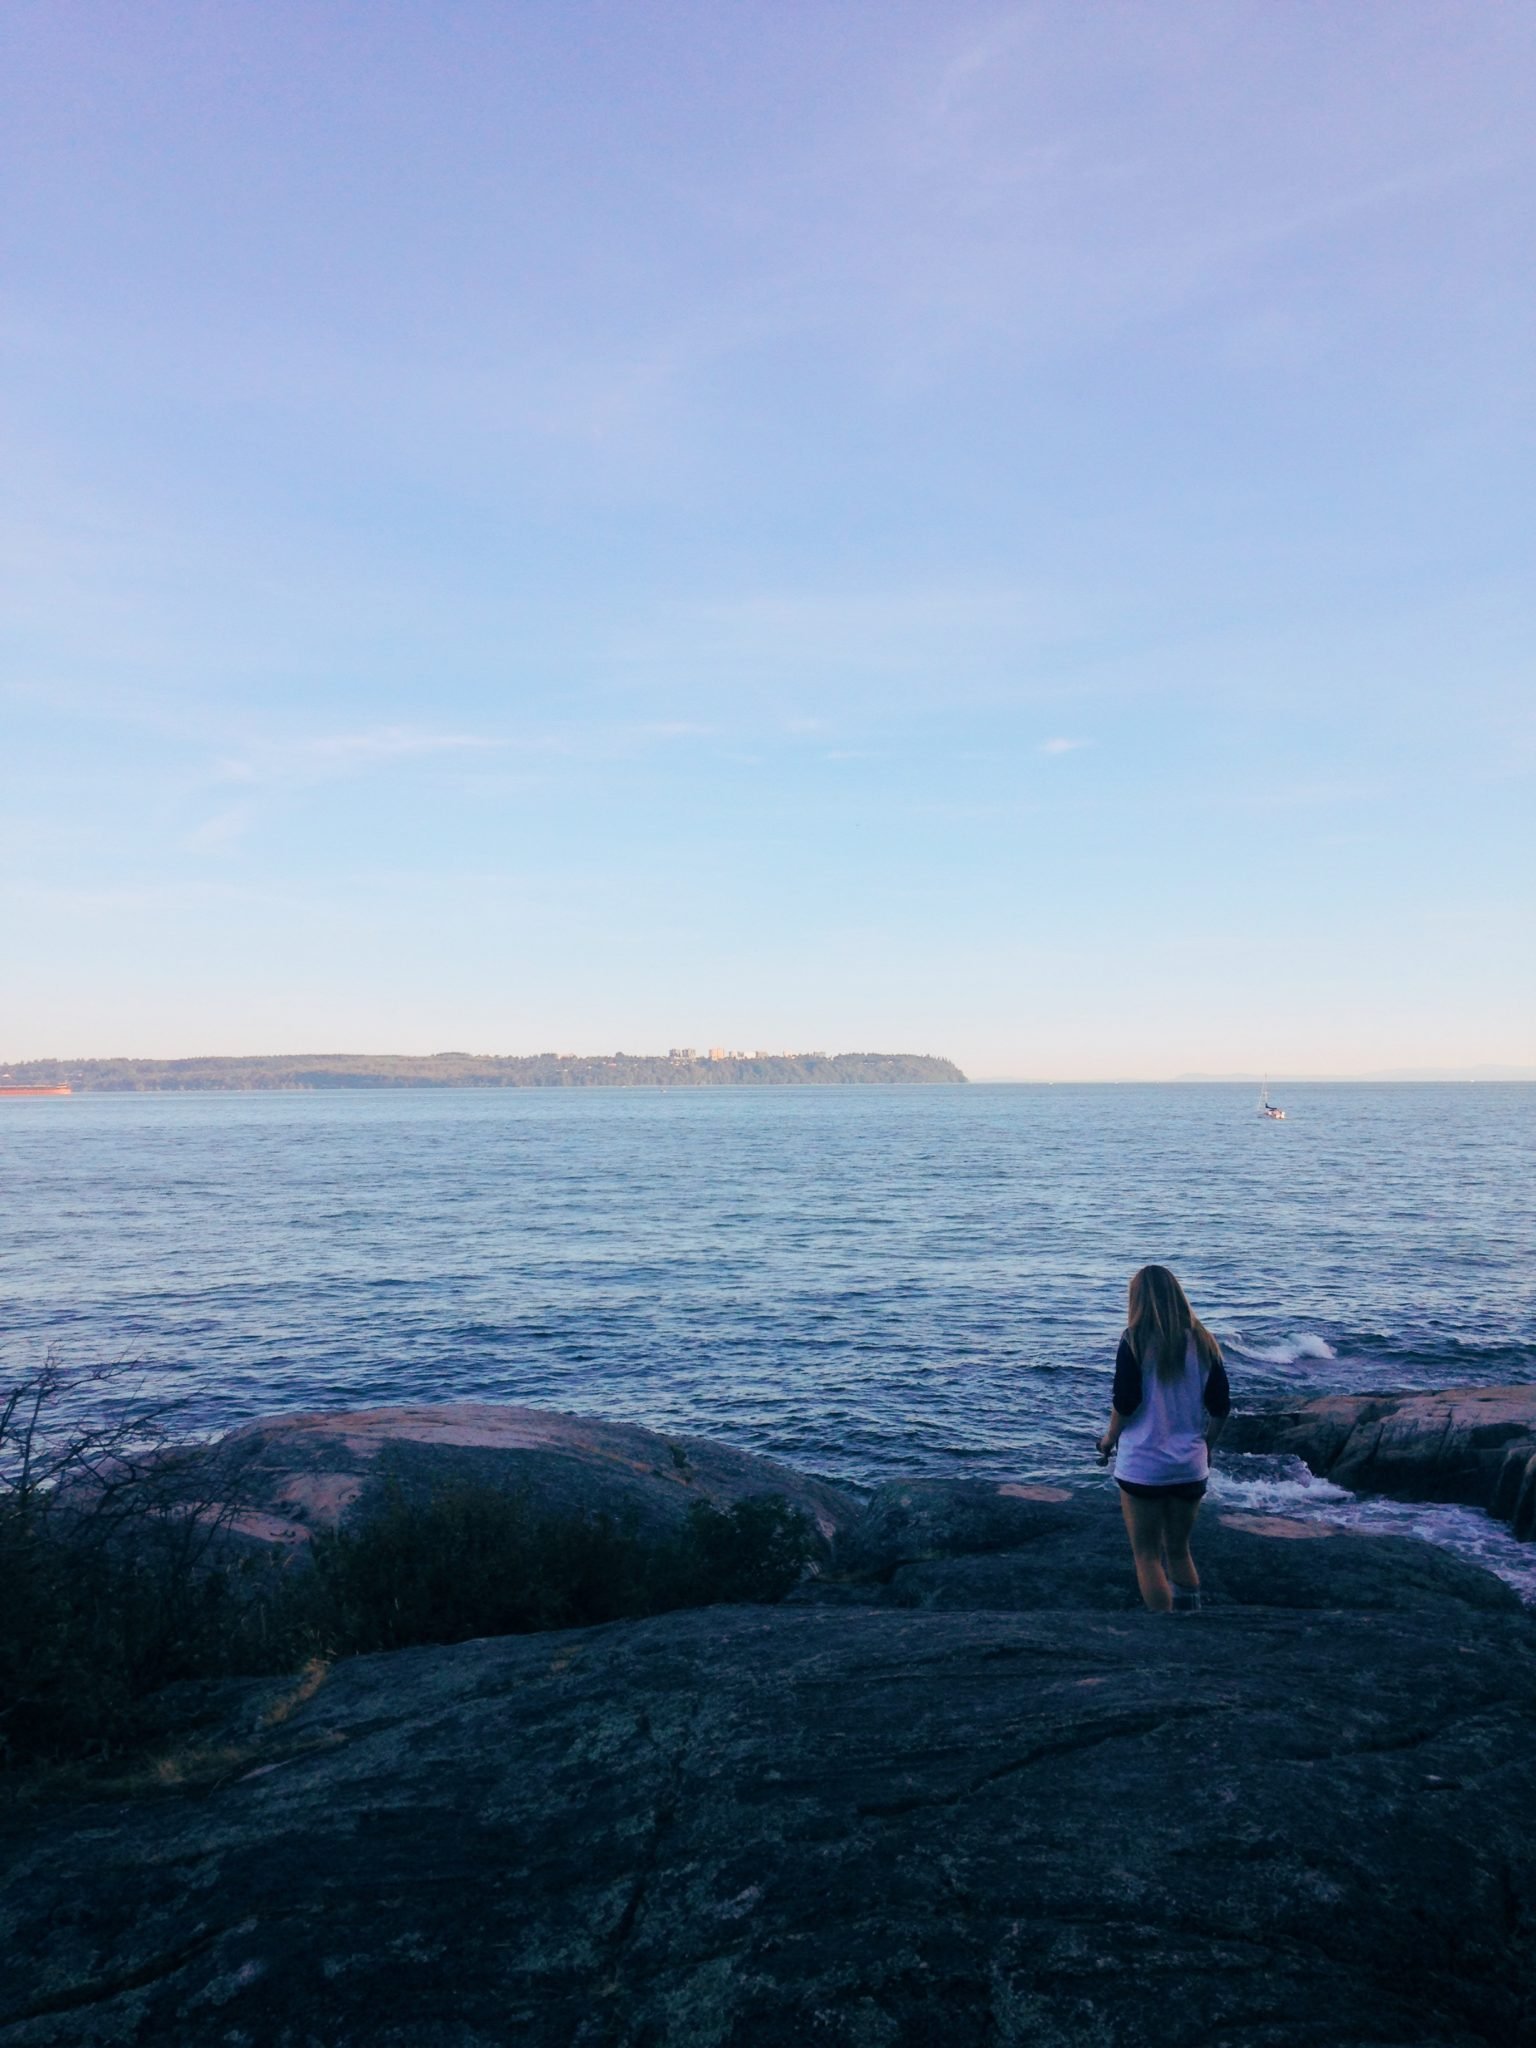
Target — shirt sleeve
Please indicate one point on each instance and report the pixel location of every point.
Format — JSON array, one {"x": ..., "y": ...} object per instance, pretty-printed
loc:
[
  {"x": 1218, "y": 1391},
  {"x": 1127, "y": 1394}
]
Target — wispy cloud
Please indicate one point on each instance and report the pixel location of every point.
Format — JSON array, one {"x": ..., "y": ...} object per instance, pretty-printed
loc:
[
  {"x": 264, "y": 770},
  {"x": 1357, "y": 795},
  {"x": 1063, "y": 746},
  {"x": 242, "y": 782},
  {"x": 320, "y": 757},
  {"x": 150, "y": 899},
  {"x": 393, "y": 743},
  {"x": 223, "y": 829},
  {"x": 932, "y": 642}
]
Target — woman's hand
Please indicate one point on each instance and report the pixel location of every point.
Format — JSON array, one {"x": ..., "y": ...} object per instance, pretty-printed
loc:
[{"x": 1105, "y": 1448}]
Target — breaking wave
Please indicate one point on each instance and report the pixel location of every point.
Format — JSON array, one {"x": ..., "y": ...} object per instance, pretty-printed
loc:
[
  {"x": 1289, "y": 1350},
  {"x": 1280, "y": 1485},
  {"x": 1272, "y": 1484}
]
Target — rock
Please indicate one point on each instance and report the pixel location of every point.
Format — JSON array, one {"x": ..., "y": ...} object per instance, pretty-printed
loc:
[
  {"x": 908, "y": 1519},
  {"x": 1475, "y": 1445},
  {"x": 298, "y": 1473},
  {"x": 1242, "y": 1562},
  {"x": 760, "y": 1828},
  {"x": 969, "y": 1544}
]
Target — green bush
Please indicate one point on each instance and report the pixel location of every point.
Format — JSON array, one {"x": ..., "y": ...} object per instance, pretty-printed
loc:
[
  {"x": 115, "y": 1580},
  {"x": 468, "y": 1561},
  {"x": 90, "y": 1627},
  {"x": 106, "y": 1586},
  {"x": 755, "y": 1551},
  {"x": 474, "y": 1560}
]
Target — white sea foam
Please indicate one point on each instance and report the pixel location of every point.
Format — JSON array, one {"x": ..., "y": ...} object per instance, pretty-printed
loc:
[
  {"x": 1289, "y": 1351},
  {"x": 1271, "y": 1485}
]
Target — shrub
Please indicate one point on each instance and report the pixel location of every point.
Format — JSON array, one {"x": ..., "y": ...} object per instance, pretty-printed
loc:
[
  {"x": 115, "y": 1581},
  {"x": 470, "y": 1560},
  {"x": 474, "y": 1560},
  {"x": 755, "y": 1551},
  {"x": 107, "y": 1561}
]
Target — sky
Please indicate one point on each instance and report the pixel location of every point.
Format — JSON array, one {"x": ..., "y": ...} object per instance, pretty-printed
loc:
[{"x": 995, "y": 531}]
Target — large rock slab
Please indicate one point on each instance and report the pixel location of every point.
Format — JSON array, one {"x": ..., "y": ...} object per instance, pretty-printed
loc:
[
  {"x": 1476, "y": 1445},
  {"x": 969, "y": 1543},
  {"x": 298, "y": 1473},
  {"x": 755, "y": 1828},
  {"x": 904, "y": 1520}
]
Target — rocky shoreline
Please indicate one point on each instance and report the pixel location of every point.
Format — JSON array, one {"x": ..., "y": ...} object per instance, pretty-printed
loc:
[
  {"x": 958, "y": 1787},
  {"x": 1472, "y": 1445}
]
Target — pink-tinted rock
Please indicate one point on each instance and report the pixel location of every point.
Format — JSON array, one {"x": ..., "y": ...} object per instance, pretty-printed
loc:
[{"x": 300, "y": 1473}]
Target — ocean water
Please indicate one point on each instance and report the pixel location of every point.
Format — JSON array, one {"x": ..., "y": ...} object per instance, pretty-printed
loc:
[{"x": 863, "y": 1281}]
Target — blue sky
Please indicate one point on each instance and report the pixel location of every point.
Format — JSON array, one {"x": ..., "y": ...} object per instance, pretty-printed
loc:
[{"x": 999, "y": 531}]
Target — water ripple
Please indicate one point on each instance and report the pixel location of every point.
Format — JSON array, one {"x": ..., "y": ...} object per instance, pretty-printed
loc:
[{"x": 865, "y": 1280}]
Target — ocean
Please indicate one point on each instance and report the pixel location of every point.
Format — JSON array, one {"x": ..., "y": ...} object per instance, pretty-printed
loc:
[{"x": 864, "y": 1281}]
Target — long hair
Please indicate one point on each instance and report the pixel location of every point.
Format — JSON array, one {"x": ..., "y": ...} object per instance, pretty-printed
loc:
[{"x": 1160, "y": 1323}]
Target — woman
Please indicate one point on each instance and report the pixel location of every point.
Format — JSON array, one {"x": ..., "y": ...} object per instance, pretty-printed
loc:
[{"x": 1168, "y": 1378}]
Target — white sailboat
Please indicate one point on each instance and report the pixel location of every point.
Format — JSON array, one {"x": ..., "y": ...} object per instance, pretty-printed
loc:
[{"x": 1268, "y": 1108}]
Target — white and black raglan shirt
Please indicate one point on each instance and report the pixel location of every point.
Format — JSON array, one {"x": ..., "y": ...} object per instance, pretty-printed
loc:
[{"x": 1162, "y": 1442}]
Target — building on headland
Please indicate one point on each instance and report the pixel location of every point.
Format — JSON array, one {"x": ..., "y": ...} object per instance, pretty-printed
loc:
[
  {"x": 680, "y": 1053},
  {"x": 725, "y": 1052}
]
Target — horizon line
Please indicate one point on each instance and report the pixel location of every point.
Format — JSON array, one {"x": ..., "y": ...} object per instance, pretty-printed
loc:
[{"x": 1379, "y": 1076}]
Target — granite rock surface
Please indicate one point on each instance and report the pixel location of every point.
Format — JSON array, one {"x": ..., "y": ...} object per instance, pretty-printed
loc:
[
  {"x": 295, "y": 1474},
  {"x": 1300, "y": 1817},
  {"x": 977, "y": 1543}
]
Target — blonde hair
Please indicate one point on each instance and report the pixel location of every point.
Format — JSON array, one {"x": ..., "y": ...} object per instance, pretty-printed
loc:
[{"x": 1160, "y": 1323}]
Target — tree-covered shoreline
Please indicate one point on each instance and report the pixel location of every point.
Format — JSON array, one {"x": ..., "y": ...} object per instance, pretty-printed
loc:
[{"x": 476, "y": 1070}]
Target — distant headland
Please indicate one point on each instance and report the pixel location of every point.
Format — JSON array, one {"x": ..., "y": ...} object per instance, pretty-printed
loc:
[{"x": 683, "y": 1067}]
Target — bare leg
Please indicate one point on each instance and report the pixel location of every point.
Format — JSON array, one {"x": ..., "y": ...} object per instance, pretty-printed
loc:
[
  {"x": 1144, "y": 1526},
  {"x": 1178, "y": 1525}
]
